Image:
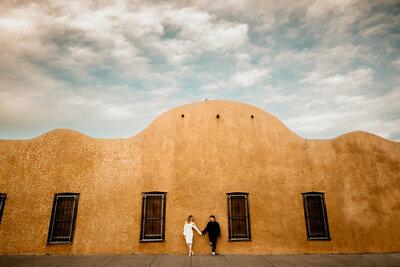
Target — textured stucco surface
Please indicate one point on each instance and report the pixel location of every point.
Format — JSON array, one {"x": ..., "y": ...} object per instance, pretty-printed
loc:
[{"x": 197, "y": 160}]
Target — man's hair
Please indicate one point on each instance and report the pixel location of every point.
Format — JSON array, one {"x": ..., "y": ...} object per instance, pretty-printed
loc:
[{"x": 212, "y": 216}]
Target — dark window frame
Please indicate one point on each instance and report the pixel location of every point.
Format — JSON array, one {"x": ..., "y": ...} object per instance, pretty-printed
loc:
[
  {"x": 3, "y": 198},
  {"x": 247, "y": 216},
  {"x": 324, "y": 216},
  {"x": 51, "y": 240},
  {"x": 145, "y": 196}
]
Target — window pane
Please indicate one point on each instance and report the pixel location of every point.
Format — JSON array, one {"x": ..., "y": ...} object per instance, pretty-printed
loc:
[
  {"x": 153, "y": 207},
  {"x": 62, "y": 230},
  {"x": 238, "y": 217},
  {"x": 238, "y": 207},
  {"x": 63, "y": 218},
  {"x": 315, "y": 216},
  {"x": 65, "y": 207},
  {"x": 314, "y": 207},
  {"x": 153, "y": 228},
  {"x": 316, "y": 219},
  {"x": 153, "y": 217},
  {"x": 239, "y": 228},
  {"x": 317, "y": 227}
]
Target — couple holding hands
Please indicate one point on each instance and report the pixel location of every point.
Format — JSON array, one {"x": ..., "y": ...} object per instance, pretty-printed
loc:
[{"x": 212, "y": 228}]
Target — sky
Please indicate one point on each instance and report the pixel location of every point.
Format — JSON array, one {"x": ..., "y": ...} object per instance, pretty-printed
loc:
[{"x": 109, "y": 68}]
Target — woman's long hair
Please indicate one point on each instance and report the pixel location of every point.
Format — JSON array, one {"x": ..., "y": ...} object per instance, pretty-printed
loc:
[{"x": 189, "y": 218}]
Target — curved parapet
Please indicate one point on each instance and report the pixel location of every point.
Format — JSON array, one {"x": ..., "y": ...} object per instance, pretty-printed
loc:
[{"x": 217, "y": 115}]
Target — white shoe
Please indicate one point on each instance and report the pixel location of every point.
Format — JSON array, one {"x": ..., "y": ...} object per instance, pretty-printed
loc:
[
  {"x": 192, "y": 253},
  {"x": 213, "y": 253}
]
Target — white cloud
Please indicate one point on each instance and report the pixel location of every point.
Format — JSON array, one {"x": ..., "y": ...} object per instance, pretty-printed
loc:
[
  {"x": 198, "y": 31},
  {"x": 76, "y": 35},
  {"x": 351, "y": 80},
  {"x": 213, "y": 86},
  {"x": 333, "y": 115},
  {"x": 118, "y": 113},
  {"x": 396, "y": 63},
  {"x": 242, "y": 58},
  {"x": 318, "y": 65},
  {"x": 250, "y": 77},
  {"x": 320, "y": 8},
  {"x": 163, "y": 91}
]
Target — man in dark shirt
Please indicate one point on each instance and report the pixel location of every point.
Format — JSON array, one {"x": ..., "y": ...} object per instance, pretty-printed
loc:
[{"x": 213, "y": 232}]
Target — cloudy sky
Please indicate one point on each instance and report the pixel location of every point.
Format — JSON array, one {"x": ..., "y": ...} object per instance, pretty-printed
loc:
[{"x": 106, "y": 69}]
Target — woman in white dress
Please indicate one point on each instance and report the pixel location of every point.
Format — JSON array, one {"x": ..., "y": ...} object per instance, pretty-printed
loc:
[{"x": 188, "y": 233}]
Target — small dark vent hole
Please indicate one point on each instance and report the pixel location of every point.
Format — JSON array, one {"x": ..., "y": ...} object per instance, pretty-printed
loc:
[
  {"x": 252, "y": 116},
  {"x": 217, "y": 116},
  {"x": 183, "y": 115}
]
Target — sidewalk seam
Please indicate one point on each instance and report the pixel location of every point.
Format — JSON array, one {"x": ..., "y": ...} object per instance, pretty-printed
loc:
[
  {"x": 227, "y": 260},
  {"x": 266, "y": 260},
  {"x": 153, "y": 260},
  {"x": 112, "y": 260},
  {"x": 304, "y": 260},
  {"x": 71, "y": 260}
]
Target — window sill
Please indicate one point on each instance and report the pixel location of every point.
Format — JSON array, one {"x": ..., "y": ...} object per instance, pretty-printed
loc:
[
  {"x": 239, "y": 239},
  {"x": 319, "y": 239},
  {"x": 151, "y": 240},
  {"x": 59, "y": 243}
]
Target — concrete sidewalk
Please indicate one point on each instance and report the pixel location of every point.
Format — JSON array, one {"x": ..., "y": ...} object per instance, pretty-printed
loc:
[{"x": 390, "y": 259}]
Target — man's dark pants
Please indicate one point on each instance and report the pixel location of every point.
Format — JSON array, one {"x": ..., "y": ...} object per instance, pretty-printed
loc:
[{"x": 214, "y": 243}]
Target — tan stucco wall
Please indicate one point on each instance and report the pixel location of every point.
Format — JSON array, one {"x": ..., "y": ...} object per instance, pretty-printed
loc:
[{"x": 197, "y": 159}]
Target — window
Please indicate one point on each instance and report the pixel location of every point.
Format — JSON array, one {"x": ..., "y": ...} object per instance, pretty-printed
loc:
[
  {"x": 238, "y": 216},
  {"x": 153, "y": 217},
  {"x": 316, "y": 217},
  {"x": 2, "y": 201},
  {"x": 63, "y": 218}
]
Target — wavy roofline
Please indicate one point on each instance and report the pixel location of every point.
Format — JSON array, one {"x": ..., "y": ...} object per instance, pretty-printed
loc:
[{"x": 66, "y": 131}]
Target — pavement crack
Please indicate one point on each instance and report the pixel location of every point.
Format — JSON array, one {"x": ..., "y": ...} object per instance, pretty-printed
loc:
[
  {"x": 111, "y": 260},
  {"x": 227, "y": 260},
  {"x": 266, "y": 260},
  {"x": 153, "y": 260},
  {"x": 68, "y": 261},
  {"x": 306, "y": 261}
]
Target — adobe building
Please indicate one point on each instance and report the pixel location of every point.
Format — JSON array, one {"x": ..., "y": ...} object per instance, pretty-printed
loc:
[{"x": 272, "y": 191}]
